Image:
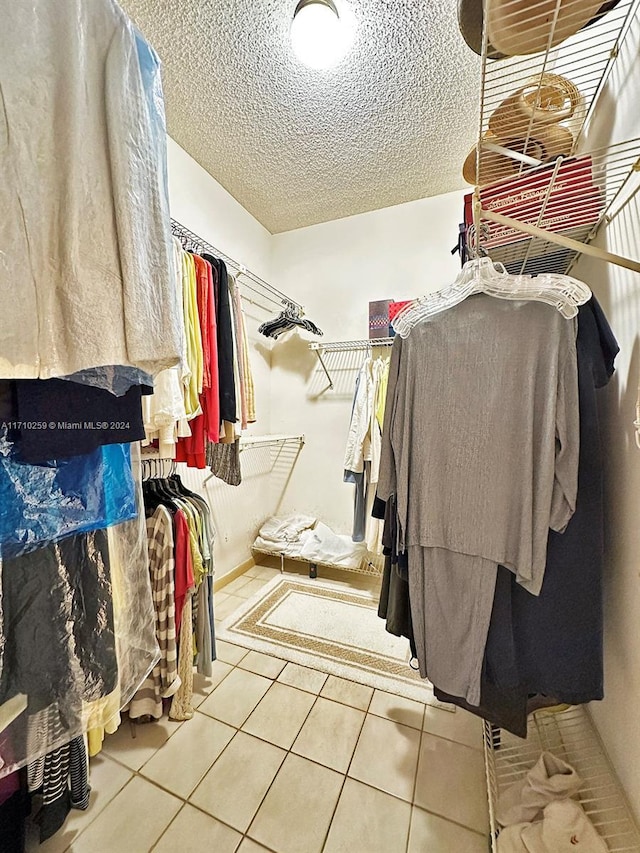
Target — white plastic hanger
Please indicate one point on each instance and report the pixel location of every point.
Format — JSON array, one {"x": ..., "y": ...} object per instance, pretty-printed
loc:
[{"x": 482, "y": 275}]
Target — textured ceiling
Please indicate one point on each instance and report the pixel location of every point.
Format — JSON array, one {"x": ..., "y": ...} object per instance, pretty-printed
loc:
[{"x": 391, "y": 123}]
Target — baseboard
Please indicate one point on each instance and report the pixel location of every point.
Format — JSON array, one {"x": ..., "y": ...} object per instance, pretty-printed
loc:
[{"x": 221, "y": 582}]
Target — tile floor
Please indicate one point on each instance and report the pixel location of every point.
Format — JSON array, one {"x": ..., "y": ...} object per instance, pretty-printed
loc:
[{"x": 282, "y": 758}]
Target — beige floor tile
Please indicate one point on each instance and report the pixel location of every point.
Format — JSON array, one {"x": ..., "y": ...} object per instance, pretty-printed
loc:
[
  {"x": 387, "y": 756},
  {"x": 136, "y": 751},
  {"x": 203, "y": 685},
  {"x": 107, "y": 778},
  {"x": 460, "y": 726},
  {"x": 330, "y": 734},
  {"x": 195, "y": 832},
  {"x": 451, "y": 782},
  {"x": 249, "y": 846},
  {"x": 236, "y": 784},
  {"x": 347, "y": 692},
  {"x": 261, "y": 664},
  {"x": 237, "y": 696},
  {"x": 303, "y": 678},
  {"x": 266, "y": 572},
  {"x": 253, "y": 572},
  {"x": 313, "y": 791},
  {"x": 229, "y": 653},
  {"x": 368, "y": 821},
  {"x": 234, "y": 587},
  {"x": 280, "y": 715},
  {"x": 429, "y": 832},
  {"x": 253, "y": 586},
  {"x": 133, "y": 821},
  {"x": 187, "y": 756},
  {"x": 227, "y": 607},
  {"x": 397, "y": 708}
]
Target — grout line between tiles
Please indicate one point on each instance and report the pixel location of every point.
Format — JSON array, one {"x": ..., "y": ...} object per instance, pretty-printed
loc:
[
  {"x": 346, "y": 775},
  {"x": 97, "y": 814},
  {"x": 288, "y": 752},
  {"x": 450, "y": 820},
  {"x": 453, "y": 740},
  {"x": 415, "y": 784}
]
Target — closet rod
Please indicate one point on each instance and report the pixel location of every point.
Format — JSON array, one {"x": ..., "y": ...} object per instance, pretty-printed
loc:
[
  {"x": 268, "y": 291},
  {"x": 269, "y": 440},
  {"x": 345, "y": 346},
  {"x": 321, "y": 349},
  {"x": 558, "y": 239}
]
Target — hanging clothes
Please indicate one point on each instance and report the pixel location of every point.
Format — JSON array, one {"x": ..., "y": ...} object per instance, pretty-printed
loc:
[
  {"x": 227, "y": 389},
  {"x": 62, "y": 778},
  {"x": 247, "y": 392},
  {"x": 163, "y": 681},
  {"x": 59, "y": 598},
  {"x": 491, "y": 494},
  {"x": 362, "y": 454},
  {"x": 92, "y": 278},
  {"x": 15, "y": 806},
  {"x": 180, "y": 542},
  {"x": 164, "y": 412},
  {"x": 45, "y": 503},
  {"x": 192, "y": 450},
  {"x": 552, "y": 644},
  {"x": 193, "y": 335},
  {"x": 78, "y": 418}
]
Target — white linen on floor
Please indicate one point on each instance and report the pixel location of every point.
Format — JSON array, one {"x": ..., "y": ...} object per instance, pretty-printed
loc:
[{"x": 304, "y": 537}]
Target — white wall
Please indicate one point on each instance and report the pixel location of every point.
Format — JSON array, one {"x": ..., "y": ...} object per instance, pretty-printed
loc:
[
  {"x": 201, "y": 204},
  {"x": 334, "y": 270},
  {"x": 618, "y": 290}
]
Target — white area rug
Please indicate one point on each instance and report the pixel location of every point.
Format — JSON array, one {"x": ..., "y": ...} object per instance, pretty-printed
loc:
[{"x": 327, "y": 627}]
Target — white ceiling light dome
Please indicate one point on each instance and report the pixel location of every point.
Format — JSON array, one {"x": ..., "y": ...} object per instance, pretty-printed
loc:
[{"x": 320, "y": 36}]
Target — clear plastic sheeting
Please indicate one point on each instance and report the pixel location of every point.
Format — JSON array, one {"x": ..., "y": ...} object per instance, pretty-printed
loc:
[
  {"x": 115, "y": 378},
  {"x": 42, "y": 504},
  {"x": 77, "y": 636}
]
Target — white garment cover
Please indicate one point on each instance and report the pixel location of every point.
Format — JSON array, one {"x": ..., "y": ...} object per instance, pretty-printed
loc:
[
  {"x": 85, "y": 242},
  {"x": 322, "y": 545}
]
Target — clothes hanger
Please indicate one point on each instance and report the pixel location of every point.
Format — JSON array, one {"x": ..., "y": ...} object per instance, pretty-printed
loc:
[{"x": 482, "y": 275}]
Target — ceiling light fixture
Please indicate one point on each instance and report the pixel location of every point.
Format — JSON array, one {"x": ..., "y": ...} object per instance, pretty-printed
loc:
[{"x": 320, "y": 37}]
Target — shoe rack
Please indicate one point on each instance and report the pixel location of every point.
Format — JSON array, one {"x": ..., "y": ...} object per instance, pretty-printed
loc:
[{"x": 571, "y": 736}]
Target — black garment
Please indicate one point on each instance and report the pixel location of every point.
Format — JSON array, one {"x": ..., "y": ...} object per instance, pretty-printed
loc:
[
  {"x": 226, "y": 375},
  {"x": 78, "y": 775},
  {"x": 394, "y": 605},
  {"x": 67, "y": 409},
  {"x": 64, "y": 766},
  {"x": 59, "y": 643},
  {"x": 552, "y": 644},
  {"x": 13, "y": 813}
]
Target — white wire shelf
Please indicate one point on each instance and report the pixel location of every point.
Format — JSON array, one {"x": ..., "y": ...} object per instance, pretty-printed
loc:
[
  {"x": 363, "y": 344},
  {"x": 348, "y": 346},
  {"x": 572, "y": 197},
  {"x": 530, "y": 169},
  {"x": 246, "y": 279},
  {"x": 369, "y": 565},
  {"x": 250, "y": 441},
  {"x": 584, "y": 60},
  {"x": 570, "y": 735}
]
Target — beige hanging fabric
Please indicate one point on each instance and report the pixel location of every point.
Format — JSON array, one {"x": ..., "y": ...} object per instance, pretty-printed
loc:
[{"x": 636, "y": 423}]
